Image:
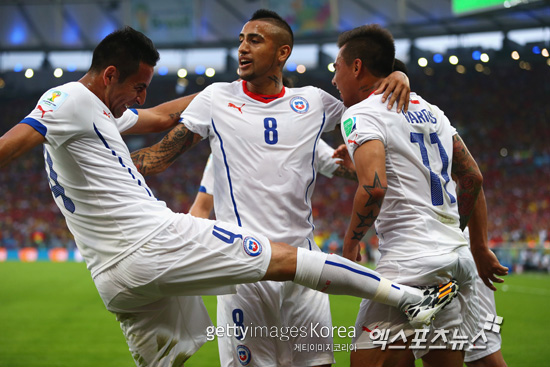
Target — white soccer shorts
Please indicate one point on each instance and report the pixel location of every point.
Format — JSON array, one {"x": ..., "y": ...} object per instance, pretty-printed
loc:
[
  {"x": 154, "y": 291},
  {"x": 378, "y": 323},
  {"x": 283, "y": 324},
  {"x": 487, "y": 306}
]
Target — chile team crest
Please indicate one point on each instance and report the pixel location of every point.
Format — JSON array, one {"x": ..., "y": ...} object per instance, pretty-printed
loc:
[
  {"x": 299, "y": 104},
  {"x": 252, "y": 246},
  {"x": 243, "y": 353}
]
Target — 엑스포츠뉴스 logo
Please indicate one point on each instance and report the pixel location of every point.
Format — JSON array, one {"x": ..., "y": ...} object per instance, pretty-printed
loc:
[
  {"x": 299, "y": 104},
  {"x": 244, "y": 355},
  {"x": 252, "y": 246}
]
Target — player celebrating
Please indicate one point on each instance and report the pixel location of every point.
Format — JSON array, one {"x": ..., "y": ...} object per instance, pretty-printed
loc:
[
  {"x": 263, "y": 138},
  {"x": 147, "y": 262},
  {"x": 404, "y": 162},
  {"x": 486, "y": 354}
]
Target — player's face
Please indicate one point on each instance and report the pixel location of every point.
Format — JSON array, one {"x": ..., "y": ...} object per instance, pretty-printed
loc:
[
  {"x": 257, "y": 50},
  {"x": 344, "y": 80},
  {"x": 133, "y": 90}
]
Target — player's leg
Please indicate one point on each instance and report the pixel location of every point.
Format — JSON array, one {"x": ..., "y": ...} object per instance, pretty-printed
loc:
[
  {"x": 163, "y": 332},
  {"x": 379, "y": 327},
  {"x": 492, "y": 360},
  {"x": 383, "y": 358},
  {"x": 307, "y": 311},
  {"x": 252, "y": 317},
  {"x": 488, "y": 353},
  {"x": 465, "y": 309},
  {"x": 446, "y": 357},
  {"x": 333, "y": 274}
]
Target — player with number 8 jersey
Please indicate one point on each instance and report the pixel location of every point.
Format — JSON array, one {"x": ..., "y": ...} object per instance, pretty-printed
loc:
[
  {"x": 263, "y": 154},
  {"x": 264, "y": 158}
]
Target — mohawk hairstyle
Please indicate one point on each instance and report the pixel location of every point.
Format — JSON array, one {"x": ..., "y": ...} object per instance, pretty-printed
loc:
[{"x": 275, "y": 19}]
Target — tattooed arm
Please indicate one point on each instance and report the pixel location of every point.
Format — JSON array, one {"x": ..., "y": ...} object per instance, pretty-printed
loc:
[
  {"x": 160, "y": 118},
  {"x": 345, "y": 169},
  {"x": 370, "y": 162},
  {"x": 488, "y": 266},
  {"x": 159, "y": 157},
  {"x": 469, "y": 180},
  {"x": 345, "y": 172}
]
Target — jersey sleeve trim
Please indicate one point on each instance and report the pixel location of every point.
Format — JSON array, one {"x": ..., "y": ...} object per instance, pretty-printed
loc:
[
  {"x": 134, "y": 111},
  {"x": 203, "y": 189},
  {"x": 35, "y": 124}
]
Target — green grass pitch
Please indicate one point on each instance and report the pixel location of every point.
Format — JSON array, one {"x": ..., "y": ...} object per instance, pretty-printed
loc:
[{"x": 51, "y": 315}]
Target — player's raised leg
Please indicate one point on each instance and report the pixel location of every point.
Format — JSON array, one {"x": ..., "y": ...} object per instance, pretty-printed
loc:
[{"x": 334, "y": 274}]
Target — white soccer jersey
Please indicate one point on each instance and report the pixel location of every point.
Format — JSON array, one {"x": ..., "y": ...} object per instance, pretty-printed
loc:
[
  {"x": 419, "y": 215},
  {"x": 108, "y": 207},
  {"x": 264, "y": 159},
  {"x": 326, "y": 165},
  {"x": 207, "y": 181}
]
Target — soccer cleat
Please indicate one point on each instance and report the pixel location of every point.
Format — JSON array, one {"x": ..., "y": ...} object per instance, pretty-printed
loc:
[{"x": 434, "y": 299}]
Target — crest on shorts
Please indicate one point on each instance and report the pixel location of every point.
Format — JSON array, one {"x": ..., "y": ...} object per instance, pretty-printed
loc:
[
  {"x": 252, "y": 246},
  {"x": 299, "y": 104},
  {"x": 244, "y": 355}
]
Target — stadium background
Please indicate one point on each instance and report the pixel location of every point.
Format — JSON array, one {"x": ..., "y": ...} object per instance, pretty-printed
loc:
[{"x": 495, "y": 94}]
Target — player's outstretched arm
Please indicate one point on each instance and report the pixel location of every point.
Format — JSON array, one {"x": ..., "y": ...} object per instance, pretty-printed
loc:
[
  {"x": 160, "y": 118},
  {"x": 159, "y": 157},
  {"x": 397, "y": 87},
  {"x": 469, "y": 179},
  {"x": 370, "y": 161},
  {"x": 488, "y": 266},
  {"x": 17, "y": 141}
]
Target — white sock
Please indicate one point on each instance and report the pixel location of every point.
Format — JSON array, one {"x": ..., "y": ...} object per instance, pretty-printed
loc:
[{"x": 334, "y": 274}]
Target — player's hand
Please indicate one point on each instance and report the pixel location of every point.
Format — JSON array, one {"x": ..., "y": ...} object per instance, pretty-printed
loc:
[
  {"x": 488, "y": 267},
  {"x": 397, "y": 87},
  {"x": 352, "y": 251},
  {"x": 341, "y": 153}
]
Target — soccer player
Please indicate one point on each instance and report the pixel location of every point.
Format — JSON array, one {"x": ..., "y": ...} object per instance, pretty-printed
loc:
[
  {"x": 263, "y": 138},
  {"x": 486, "y": 354},
  {"x": 147, "y": 262},
  {"x": 403, "y": 163},
  {"x": 326, "y": 165}
]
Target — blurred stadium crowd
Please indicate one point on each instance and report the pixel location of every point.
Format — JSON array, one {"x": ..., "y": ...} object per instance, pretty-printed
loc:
[{"x": 503, "y": 117}]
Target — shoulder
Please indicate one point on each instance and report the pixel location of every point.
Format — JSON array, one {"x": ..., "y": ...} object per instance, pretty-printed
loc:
[{"x": 60, "y": 99}]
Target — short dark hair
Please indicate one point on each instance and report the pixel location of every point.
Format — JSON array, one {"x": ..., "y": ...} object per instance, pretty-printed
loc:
[
  {"x": 274, "y": 18},
  {"x": 373, "y": 45},
  {"x": 125, "y": 49},
  {"x": 399, "y": 65}
]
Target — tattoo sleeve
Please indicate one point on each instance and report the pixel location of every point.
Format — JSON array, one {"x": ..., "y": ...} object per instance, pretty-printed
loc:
[
  {"x": 160, "y": 156},
  {"x": 469, "y": 180},
  {"x": 366, "y": 207}
]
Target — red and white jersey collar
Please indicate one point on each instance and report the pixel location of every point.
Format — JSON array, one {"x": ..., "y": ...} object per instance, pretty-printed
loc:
[{"x": 263, "y": 97}]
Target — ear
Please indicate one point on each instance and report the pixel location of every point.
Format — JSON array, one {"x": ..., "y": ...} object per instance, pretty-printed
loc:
[
  {"x": 110, "y": 75},
  {"x": 357, "y": 67},
  {"x": 284, "y": 53}
]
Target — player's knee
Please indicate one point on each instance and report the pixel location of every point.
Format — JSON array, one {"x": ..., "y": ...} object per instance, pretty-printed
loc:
[
  {"x": 492, "y": 360},
  {"x": 282, "y": 265}
]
